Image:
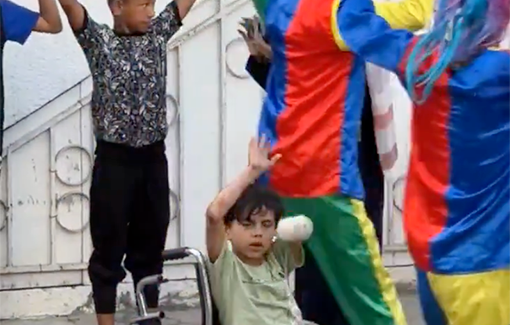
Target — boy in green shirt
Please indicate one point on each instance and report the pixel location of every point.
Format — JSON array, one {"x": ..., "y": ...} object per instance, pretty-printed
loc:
[{"x": 248, "y": 265}]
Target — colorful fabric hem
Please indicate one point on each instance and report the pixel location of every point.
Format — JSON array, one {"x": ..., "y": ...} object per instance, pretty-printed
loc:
[
  {"x": 465, "y": 299},
  {"x": 346, "y": 249}
]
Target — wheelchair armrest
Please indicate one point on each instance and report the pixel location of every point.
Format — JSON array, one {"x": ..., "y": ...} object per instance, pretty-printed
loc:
[{"x": 176, "y": 253}]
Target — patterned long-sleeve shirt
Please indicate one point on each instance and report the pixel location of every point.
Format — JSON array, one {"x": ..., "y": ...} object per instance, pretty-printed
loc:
[{"x": 129, "y": 79}]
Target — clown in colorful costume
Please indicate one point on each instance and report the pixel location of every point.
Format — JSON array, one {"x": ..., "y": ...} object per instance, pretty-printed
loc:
[
  {"x": 457, "y": 204},
  {"x": 312, "y": 112}
]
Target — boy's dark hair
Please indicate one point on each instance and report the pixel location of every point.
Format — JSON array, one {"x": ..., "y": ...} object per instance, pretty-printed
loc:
[{"x": 253, "y": 200}]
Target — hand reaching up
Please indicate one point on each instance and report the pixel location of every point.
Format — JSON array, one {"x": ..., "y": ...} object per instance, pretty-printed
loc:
[
  {"x": 252, "y": 35},
  {"x": 258, "y": 155}
]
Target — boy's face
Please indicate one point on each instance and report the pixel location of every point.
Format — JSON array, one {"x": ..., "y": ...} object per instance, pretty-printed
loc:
[
  {"x": 252, "y": 239},
  {"x": 135, "y": 15}
]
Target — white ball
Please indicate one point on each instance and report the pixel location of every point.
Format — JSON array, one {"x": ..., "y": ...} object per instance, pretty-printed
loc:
[{"x": 298, "y": 228}]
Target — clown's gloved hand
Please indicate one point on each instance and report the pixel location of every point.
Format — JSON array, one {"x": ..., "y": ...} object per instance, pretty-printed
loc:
[{"x": 298, "y": 228}]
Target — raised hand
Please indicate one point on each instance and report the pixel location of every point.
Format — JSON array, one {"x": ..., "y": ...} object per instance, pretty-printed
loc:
[
  {"x": 258, "y": 155},
  {"x": 49, "y": 18},
  {"x": 250, "y": 32}
]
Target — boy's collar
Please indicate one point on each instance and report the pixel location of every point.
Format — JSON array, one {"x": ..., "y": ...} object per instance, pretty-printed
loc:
[
  {"x": 127, "y": 34},
  {"x": 122, "y": 30}
]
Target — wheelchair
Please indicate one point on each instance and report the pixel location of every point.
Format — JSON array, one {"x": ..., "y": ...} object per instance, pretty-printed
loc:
[{"x": 209, "y": 311}]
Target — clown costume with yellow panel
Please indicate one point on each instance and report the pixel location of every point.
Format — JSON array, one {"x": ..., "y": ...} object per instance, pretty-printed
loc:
[{"x": 312, "y": 114}]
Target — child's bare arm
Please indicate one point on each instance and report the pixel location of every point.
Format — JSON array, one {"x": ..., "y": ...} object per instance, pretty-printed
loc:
[
  {"x": 295, "y": 230},
  {"x": 259, "y": 162},
  {"x": 75, "y": 14},
  {"x": 184, "y": 7},
  {"x": 219, "y": 208},
  {"x": 19, "y": 22},
  {"x": 49, "y": 20},
  {"x": 169, "y": 21},
  {"x": 290, "y": 255},
  {"x": 296, "y": 251}
]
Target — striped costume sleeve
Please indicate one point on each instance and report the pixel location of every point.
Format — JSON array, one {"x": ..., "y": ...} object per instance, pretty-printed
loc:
[{"x": 380, "y": 83}]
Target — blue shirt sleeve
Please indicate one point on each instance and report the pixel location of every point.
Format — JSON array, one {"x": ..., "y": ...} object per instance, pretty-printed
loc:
[
  {"x": 370, "y": 36},
  {"x": 18, "y": 21}
]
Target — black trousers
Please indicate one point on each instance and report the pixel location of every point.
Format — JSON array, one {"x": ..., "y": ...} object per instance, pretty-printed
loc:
[{"x": 129, "y": 217}]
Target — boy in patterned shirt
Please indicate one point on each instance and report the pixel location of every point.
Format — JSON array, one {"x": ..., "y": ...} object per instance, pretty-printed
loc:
[{"x": 129, "y": 195}]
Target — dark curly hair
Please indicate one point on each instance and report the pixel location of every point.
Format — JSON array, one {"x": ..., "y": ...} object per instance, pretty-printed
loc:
[{"x": 253, "y": 200}]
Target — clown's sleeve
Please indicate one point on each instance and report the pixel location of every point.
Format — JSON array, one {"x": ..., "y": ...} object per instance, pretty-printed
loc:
[
  {"x": 258, "y": 70},
  {"x": 411, "y": 15},
  {"x": 363, "y": 31},
  {"x": 380, "y": 86}
]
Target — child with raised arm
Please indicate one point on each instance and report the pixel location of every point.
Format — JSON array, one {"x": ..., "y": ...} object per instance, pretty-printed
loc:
[
  {"x": 16, "y": 25},
  {"x": 129, "y": 195},
  {"x": 249, "y": 262},
  {"x": 19, "y": 22}
]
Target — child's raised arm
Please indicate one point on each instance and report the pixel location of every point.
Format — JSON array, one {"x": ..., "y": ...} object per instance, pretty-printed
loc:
[
  {"x": 184, "y": 7},
  {"x": 19, "y": 22},
  {"x": 168, "y": 22},
  {"x": 75, "y": 14},
  {"x": 49, "y": 20},
  {"x": 259, "y": 162}
]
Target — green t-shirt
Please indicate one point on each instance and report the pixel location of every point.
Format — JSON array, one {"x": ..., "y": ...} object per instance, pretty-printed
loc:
[{"x": 255, "y": 295}]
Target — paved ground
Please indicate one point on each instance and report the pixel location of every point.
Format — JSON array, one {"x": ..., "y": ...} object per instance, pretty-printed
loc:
[{"x": 192, "y": 316}]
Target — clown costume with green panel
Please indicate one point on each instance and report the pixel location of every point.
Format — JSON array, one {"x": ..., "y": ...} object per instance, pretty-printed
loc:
[{"x": 312, "y": 113}]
